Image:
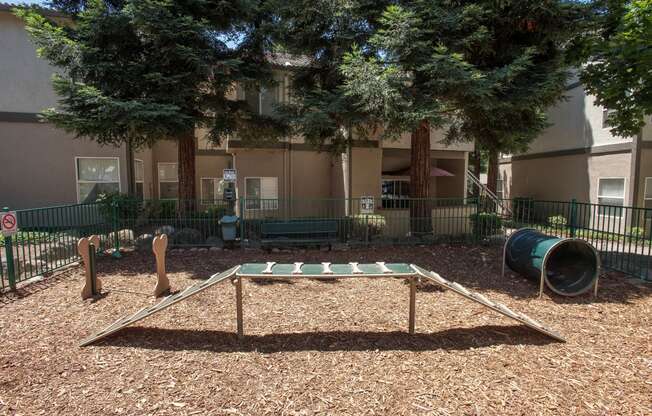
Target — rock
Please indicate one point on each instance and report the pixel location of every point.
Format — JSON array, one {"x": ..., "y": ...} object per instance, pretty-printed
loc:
[
  {"x": 165, "y": 229},
  {"x": 276, "y": 250},
  {"x": 215, "y": 249},
  {"x": 214, "y": 241},
  {"x": 144, "y": 242},
  {"x": 187, "y": 236},
  {"x": 125, "y": 236},
  {"x": 322, "y": 248}
]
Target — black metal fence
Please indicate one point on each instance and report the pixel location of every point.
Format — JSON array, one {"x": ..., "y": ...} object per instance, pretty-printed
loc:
[{"x": 48, "y": 237}]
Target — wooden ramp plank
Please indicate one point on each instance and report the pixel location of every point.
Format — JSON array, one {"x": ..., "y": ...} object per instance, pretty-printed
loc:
[
  {"x": 495, "y": 306},
  {"x": 164, "y": 303}
]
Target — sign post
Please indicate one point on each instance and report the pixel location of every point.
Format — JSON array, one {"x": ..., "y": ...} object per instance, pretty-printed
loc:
[{"x": 9, "y": 225}]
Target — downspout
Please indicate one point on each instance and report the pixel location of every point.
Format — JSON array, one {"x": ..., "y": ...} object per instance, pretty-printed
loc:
[{"x": 131, "y": 171}]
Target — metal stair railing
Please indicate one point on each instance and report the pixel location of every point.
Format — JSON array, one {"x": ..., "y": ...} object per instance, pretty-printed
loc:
[{"x": 485, "y": 191}]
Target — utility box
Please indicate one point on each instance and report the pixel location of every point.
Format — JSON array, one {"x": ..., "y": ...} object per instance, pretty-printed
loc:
[{"x": 229, "y": 225}]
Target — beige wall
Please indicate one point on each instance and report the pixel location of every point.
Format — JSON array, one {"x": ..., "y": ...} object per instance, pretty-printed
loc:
[
  {"x": 554, "y": 178},
  {"x": 609, "y": 166},
  {"x": 25, "y": 85},
  {"x": 565, "y": 177},
  {"x": 366, "y": 169},
  {"x": 576, "y": 123},
  {"x": 40, "y": 168}
]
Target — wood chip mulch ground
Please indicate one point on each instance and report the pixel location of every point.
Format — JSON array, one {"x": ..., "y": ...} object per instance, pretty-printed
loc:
[{"x": 314, "y": 347}]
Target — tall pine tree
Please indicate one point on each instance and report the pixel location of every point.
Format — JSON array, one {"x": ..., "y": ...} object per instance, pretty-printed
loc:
[
  {"x": 484, "y": 70},
  {"x": 140, "y": 71}
]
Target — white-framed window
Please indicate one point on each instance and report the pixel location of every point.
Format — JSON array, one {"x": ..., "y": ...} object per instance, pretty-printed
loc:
[
  {"x": 96, "y": 176},
  {"x": 212, "y": 189},
  {"x": 168, "y": 180},
  {"x": 395, "y": 193},
  {"x": 605, "y": 117},
  {"x": 611, "y": 196},
  {"x": 261, "y": 193},
  {"x": 139, "y": 173},
  {"x": 647, "y": 197}
]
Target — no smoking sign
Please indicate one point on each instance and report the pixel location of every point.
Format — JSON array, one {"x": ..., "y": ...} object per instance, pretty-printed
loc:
[{"x": 9, "y": 223}]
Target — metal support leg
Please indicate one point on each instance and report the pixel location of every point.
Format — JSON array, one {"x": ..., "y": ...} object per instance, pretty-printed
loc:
[
  {"x": 542, "y": 282},
  {"x": 238, "y": 306},
  {"x": 413, "y": 298}
]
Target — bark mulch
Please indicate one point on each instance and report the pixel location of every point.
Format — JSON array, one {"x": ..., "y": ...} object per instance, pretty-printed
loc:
[{"x": 314, "y": 347}]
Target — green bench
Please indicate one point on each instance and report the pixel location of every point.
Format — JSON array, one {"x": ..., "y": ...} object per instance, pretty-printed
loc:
[{"x": 302, "y": 232}]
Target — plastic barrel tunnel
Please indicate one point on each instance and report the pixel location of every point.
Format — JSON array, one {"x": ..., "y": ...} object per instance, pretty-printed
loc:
[{"x": 570, "y": 265}]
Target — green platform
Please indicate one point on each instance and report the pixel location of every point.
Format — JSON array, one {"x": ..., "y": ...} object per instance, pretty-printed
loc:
[{"x": 319, "y": 270}]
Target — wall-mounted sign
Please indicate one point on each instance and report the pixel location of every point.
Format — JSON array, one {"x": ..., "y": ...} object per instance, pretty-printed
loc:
[
  {"x": 229, "y": 175},
  {"x": 367, "y": 205}
]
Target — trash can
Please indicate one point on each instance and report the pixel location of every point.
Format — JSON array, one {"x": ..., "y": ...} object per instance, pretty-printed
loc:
[{"x": 229, "y": 227}]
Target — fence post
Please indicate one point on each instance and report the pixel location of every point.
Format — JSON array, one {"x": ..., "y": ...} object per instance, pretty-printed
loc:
[
  {"x": 9, "y": 255},
  {"x": 116, "y": 251},
  {"x": 573, "y": 216}
]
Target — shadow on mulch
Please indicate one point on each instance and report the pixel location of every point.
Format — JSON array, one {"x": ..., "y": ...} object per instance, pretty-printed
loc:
[
  {"x": 220, "y": 341},
  {"x": 29, "y": 288}
]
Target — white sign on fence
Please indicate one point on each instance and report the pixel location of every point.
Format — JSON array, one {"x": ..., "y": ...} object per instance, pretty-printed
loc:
[
  {"x": 367, "y": 205},
  {"x": 9, "y": 222},
  {"x": 229, "y": 175}
]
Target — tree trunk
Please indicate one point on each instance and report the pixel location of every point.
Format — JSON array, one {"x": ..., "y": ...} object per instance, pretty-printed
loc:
[
  {"x": 492, "y": 170},
  {"x": 420, "y": 221},
  {"x": 476, "y": 159},
  {"x": 186, "y": 166}
]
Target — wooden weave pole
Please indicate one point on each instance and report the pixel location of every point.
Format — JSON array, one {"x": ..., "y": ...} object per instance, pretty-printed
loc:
[
  {"x": 159, "y": 247},
  {"x": 92, "y": 285}
]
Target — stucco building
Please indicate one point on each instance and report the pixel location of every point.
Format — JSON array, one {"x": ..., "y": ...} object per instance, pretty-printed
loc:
[
  {"x": 45, "y": 166},
  {"x": 577, "y": 157}
]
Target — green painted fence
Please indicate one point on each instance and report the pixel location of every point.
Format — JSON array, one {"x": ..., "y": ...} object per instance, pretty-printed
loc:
[{"x": 48, "y": 236}]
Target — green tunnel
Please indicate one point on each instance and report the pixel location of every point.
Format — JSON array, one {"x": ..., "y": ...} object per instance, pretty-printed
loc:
[{"x": 570, "y": 265}]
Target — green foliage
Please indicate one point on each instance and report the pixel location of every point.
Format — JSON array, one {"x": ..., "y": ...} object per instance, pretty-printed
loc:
[
  {"x": 123, "y": 206},
  {"x": 619, "y": 61},
  {"x": 323, "y": 31},
  {"x": 484, "y": 71},
  {"x": 485, "y": 224},
  {"x": 636, "y": 232},
  {"x": 557, "y": 221},
  {"x": 27, "y": 237}
]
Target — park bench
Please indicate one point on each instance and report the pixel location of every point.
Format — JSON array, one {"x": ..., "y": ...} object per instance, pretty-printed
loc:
[{"x": 302, "y": 232}]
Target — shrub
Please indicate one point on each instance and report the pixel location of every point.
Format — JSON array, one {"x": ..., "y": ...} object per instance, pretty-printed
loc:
[
  {"x": 485, "y": 224},
  {"x": 128, "y": 207},
  {"x": 637, "y": 232},
  {"x": 368, "y": 225},
  {"x": 557, "y": 221}
]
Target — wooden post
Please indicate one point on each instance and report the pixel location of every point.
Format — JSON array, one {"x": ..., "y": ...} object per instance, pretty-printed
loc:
[
  {"x": 159, "y": 246},
  {"x": 92, "y": 285},
  {"x": 238, "y": 306},
  {"x": 413, "y": 298}
]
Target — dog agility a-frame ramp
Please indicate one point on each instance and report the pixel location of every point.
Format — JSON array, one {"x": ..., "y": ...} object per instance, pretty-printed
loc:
[{"x": 273, "y": 270}]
